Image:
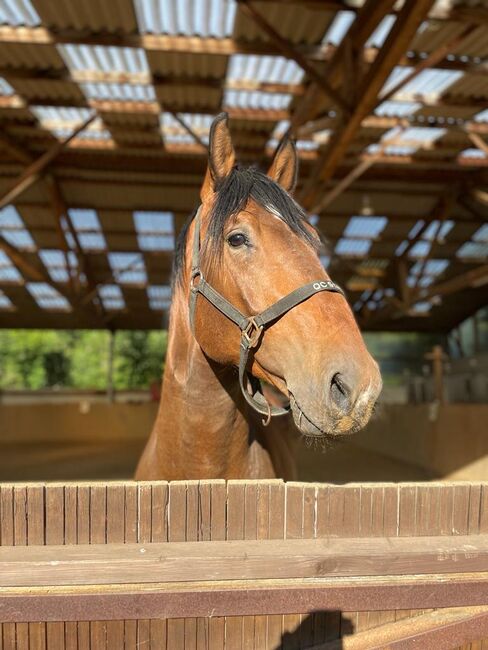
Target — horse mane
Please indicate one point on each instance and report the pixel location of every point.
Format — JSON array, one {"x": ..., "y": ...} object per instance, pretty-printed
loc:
[{"x": 232, "y": 195}]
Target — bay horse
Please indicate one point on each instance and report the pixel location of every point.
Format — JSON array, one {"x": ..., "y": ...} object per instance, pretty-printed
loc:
[{"x": 249, "y": 249}]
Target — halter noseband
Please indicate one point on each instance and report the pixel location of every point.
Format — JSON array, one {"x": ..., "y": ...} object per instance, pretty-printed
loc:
[{"x": 251, "y": 326}]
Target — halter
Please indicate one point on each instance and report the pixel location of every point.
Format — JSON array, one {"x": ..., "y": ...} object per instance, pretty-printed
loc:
[{"x": 251, "y": 326}]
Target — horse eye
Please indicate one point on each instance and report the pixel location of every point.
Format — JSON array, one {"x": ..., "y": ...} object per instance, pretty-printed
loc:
[{"x": 237, "y": 239}]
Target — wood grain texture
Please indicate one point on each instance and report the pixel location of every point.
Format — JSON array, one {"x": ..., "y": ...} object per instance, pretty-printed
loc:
[{"x": 318, "y": 530}]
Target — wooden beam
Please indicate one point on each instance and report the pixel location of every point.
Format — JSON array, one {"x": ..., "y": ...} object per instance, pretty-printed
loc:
[
  {"x": 15, "y": 150},
  {"x": 35, "y": 170},
  {"x": 98, "y": 564},
  {"x": 291, "y": 52},
  {"x": 367, "y": 20},
  {"x": 407, "y": 23},
  {"x": 190, "y": 131}
]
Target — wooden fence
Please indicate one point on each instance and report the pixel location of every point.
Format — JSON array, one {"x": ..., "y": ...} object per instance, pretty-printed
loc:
[{"x": 297, "y": 565}]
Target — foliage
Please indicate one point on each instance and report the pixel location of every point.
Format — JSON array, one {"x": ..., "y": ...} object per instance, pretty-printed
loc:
[{"x": 33, "y": 359}]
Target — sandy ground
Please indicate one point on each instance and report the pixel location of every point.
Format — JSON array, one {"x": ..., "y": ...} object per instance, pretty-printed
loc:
[{"x": 54, "y": 462}]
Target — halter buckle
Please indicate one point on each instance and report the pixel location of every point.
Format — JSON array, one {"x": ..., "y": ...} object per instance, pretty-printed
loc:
[
  {"x": 196, "y": 273},
  {"x": 252, "y": 333}
]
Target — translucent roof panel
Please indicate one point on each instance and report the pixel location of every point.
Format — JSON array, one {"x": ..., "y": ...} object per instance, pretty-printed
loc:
[
  {"x": 481, "y": 234},
  {"x": 352, "y": 247},
  {"x": 119, "y": 92},
  {"x": 87, "y": 225},
  {"x": 380, "y": 34},
  {"x": 104, "y": 59},
  {"x": 8, "y": 272},
  {"x": 422, "y": 307},
  {"x": 111, "y": 296},
  {"x": 256, "y": 99},
  {"x": 430, "y": 83},
  {"x": 174, "y": 132},
  {"x": 5, "y": 87},
  {"x": 47, "y": 297},
  {"x": 419, "y": 249},
  {"x": 339, "y": 27},
  {"x": 397, "y": 75},
  {"x": 473, "y": 249},
  {"x": 13, "y": 229},
  {"x": 473, "y": 153},
  {"x": 430, "y": 267},
  {"x": 368, "y": 227},
  {"x": 159, "y": 296},
  {"x": 155, "y": 231},
  {"x": 128, "y": 268},
  {"x": 270, "y": 69},
  {"x": 482, "y": 117},
  {"x": 18, "y": 13},
  {"x": 281, "y": 128},
  {"x": 186, "y": 17},
  {"x": 397, "y": 109},
  {"x": 5, "y": 302},
  {"x": 61, "y": 121},
  {"x": 438, "y": 230},
  {"x": 55, "y": 263}
]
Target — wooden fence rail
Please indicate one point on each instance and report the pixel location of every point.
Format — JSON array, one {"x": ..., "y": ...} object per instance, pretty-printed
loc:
[{"x": 241, "y": 565}]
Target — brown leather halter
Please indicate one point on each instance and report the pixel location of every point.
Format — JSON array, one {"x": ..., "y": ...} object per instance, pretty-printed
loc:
[{"x": 251, "y": 326}]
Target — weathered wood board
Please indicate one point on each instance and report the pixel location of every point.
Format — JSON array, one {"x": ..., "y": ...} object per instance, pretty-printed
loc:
[{"x": 100, "y": 514}]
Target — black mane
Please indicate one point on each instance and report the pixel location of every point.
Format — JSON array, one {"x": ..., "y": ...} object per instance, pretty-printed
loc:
[{"x": 233, "y": 194}]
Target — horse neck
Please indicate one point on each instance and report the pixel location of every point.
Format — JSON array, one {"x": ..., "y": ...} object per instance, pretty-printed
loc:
[{"x": 200, "y": 430}]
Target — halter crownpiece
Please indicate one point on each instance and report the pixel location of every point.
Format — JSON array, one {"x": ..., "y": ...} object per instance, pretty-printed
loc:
[{"x": 251, "y": 327}]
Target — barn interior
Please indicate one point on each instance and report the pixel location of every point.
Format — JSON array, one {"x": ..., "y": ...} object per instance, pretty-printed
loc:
[{"x": 105, "y": 109}]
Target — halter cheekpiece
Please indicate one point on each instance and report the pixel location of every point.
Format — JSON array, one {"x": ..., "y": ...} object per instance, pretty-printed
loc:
[{"x": 251, "y": 327}]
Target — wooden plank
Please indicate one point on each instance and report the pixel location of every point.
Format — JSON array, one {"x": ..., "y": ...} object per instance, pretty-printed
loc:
[
  {"x": 131, "y": 520},
  {"x": 144, "y": 532},
  {"x": 7, "y": 539},
  {"x": 218, "y": 513},
  {"x": 115, "y": 523},
  {"x": 248, "y": 597},
  {"x": 71, "y": 537},
  {"x": 55, "y": 518},
  {"x": 83, "y": 532},
  {"x": 277, "y": 510},
  {"x": 293, "y": 531},
  {"x": 204, "y": 534},
  {"x": 20, "y": 538},
  {"x": 159, "y": 533},
  {"x": 250, "y": 532},
  {"x": 176, "y": 533},
  {"x": 98, "y": 536},
  {"x": 191, "y": 535},
  {"x": 236, "y": 494}
]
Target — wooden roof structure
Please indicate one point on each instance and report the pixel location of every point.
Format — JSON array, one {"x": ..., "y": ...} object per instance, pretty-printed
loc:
[{"x": 105, "y": 107}]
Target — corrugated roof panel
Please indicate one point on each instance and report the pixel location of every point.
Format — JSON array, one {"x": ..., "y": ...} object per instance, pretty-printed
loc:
[
  {"x": 256, "y": 99},
  {"x": 111, "y": 296},
  {"x": 442, "y": 230},
  {"x": 298, "y": 24},
  {"x": 18, "y": 13},
  {"x": 419, "y": 249},
  {"x": 128, "y": 268},
  {"x": 398, "y": 74},
  {"x": 339, "y": 27},
  {"x": 397, "y": 109},
  {"x": 431, "y": 267},
  {"x": 119, "y": 92},
  {"x": 187, "y": 17},
  {"x": 173, "y": 131},
  {"x": 473, "y": 153},
  {"x": 8, "y": 272},
  {"x": 433, "y": 34},
  {"x": 93, "y": 15},
  {"x": 59, "y": 90},
  {"x": 13, "y": 229},
  {"x": 55, "y": 263},
  {"x": 370, "y": 227},
  {"x": 380, "y": 34},
  {"x": 189, "y": 97},
  {"x": 5, "y": 88},
  {"x": 421, "y": 307},
  {"x": 473, "y": 250},
  {"x": 481, "y": 234},
  {"x": 159, "y": 296},
  {"x": 47, "y": 297},
  {"x": 352, "y": 247},
  {"x": 104, "y": 59},
  {"x": 185, "y": 64},
  {"x": 470, "y": 86},
  {"x": 87, "y": 225},
  {"x": 482, "y": 116},
  {"x": 30, "y": 55},
  {"x": 5, "y": 302},
  {"x": 430, "y": 84},
  {"x": 270, "y": 69},
  {"x": 155, "y": 230}
]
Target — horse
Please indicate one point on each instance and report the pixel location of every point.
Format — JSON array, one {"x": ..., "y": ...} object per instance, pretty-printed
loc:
[{"x": 249, "y": 249}]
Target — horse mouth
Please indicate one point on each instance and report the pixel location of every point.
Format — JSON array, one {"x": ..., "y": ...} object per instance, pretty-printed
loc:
[{"x": 308, "y": 427}]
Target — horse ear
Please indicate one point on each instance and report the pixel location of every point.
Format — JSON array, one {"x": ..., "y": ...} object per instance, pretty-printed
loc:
[
  {"x": 284, "y": 168},
  {"x": 221, "y": 154}
]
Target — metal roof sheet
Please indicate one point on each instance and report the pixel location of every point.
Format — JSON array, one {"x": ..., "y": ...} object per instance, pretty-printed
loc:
[
  {"x": 189, "y": 17},
  {"x": 113, "y": 16},
  {"x": 18, "y": 13}
]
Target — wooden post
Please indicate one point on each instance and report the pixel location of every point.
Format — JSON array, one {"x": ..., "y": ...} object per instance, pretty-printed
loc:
[
  {"x": 110, "y": 369},
  {"x": 437, "y": 358}
]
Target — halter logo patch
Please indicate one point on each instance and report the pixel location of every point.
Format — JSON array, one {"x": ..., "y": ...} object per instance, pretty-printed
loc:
[{"x": 320, "y": 285}]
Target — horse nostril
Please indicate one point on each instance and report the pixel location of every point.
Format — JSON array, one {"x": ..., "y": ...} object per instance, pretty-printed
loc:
[{"x": 340, "y": 392}]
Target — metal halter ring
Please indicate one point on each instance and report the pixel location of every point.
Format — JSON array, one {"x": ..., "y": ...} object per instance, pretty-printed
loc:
[
  {"x": 252, "y": 333},
  {"x": 195, "y": 274}
]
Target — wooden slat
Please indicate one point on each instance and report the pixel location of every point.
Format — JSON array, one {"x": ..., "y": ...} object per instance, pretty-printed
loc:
[
  {"x": 55, "y": 517},
  {"x": 218, "y": 495},
  {"x": 176, "y": 533}
]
